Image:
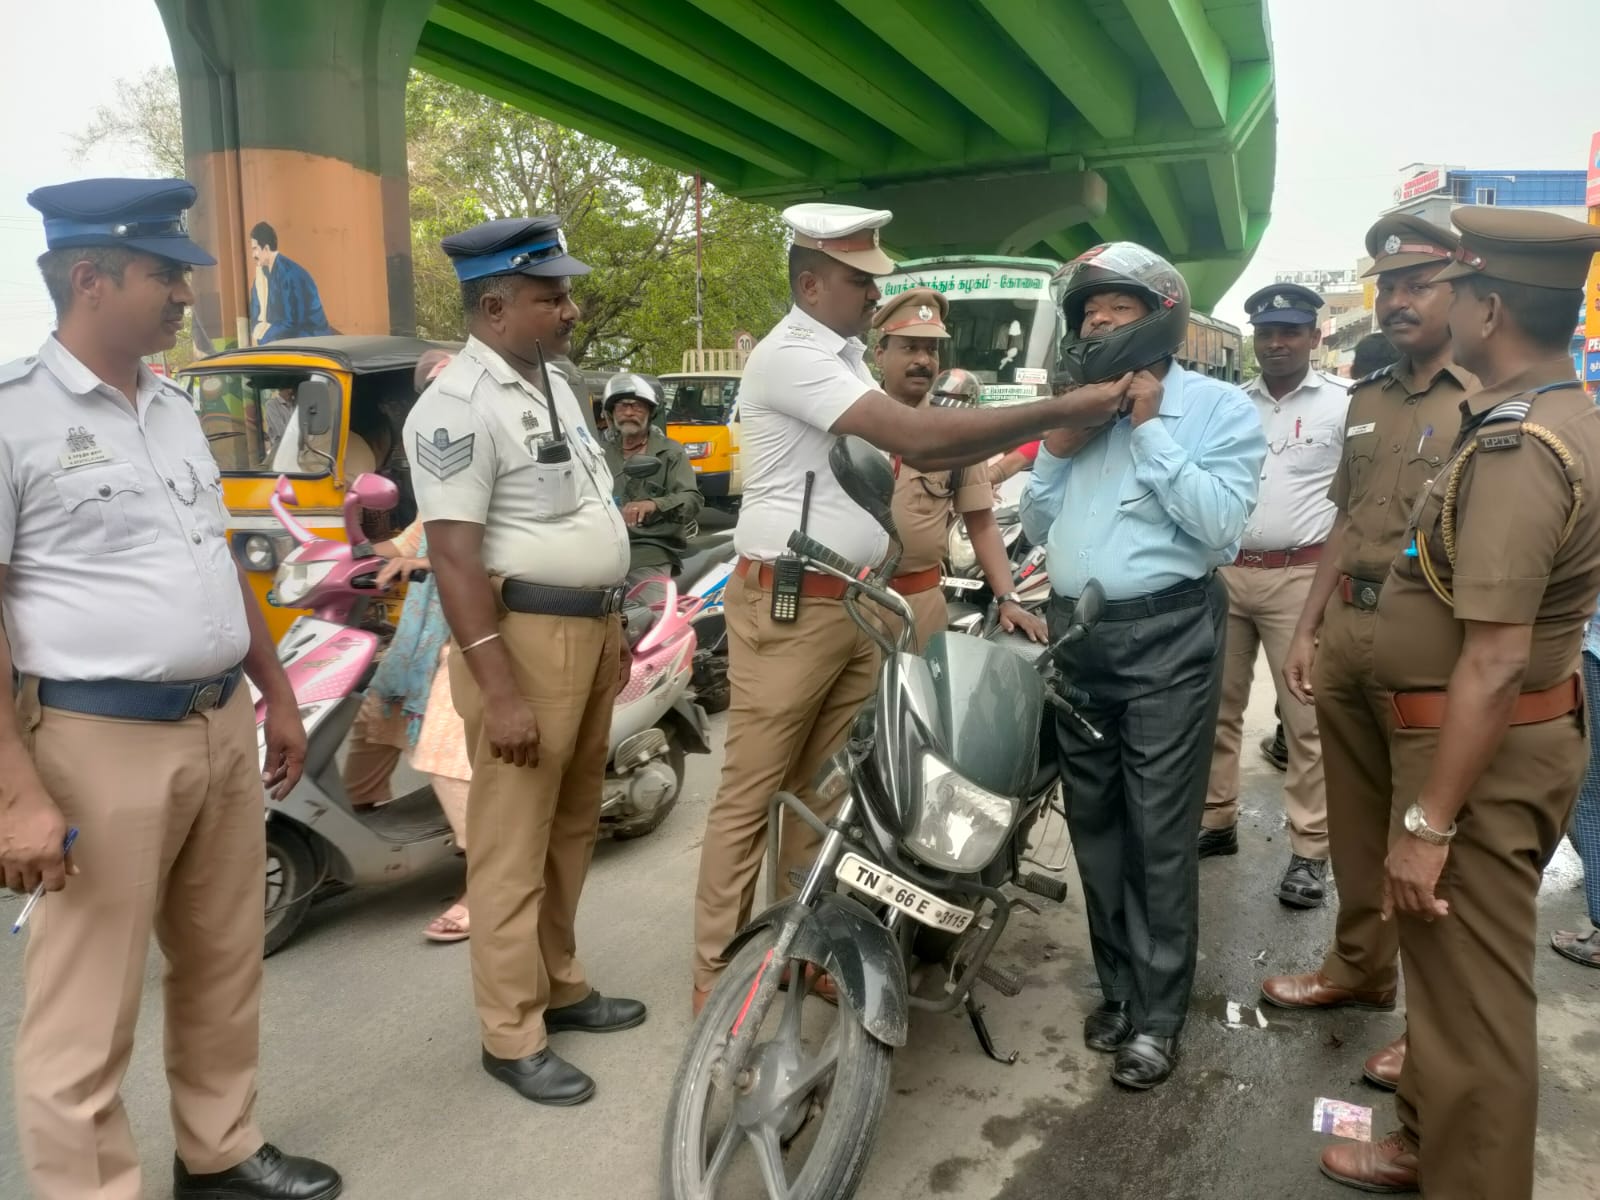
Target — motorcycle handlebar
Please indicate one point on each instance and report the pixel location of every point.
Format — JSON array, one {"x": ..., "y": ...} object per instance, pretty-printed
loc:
[
  {"x": 856, "y": 579},
  {"x": 809, "y": 547}
]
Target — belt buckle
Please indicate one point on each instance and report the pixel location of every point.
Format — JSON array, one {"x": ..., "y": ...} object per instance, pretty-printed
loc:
[
  {"x": 613, "y": 601},
  {"x": 206, "y": 698},
  {"x": 1259, "y": 557},
  {"x": 1368, "y": 596}
]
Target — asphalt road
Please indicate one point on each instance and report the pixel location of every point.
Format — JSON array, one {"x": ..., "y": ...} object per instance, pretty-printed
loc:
[{"x": 370, "y": 1053}]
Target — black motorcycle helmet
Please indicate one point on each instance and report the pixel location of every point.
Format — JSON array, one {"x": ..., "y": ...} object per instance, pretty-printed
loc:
[
  {"x": 1120, "y": 267},
  {"x": 628, "y": 386},
  {"x": 956, "y": 388}
]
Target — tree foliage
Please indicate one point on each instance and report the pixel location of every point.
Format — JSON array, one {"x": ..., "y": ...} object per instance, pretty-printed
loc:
[{"x": 473, "y": 158}]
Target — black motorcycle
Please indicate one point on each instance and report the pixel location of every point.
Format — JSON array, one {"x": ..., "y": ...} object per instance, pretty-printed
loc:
[{"x": 940, "y": 782}]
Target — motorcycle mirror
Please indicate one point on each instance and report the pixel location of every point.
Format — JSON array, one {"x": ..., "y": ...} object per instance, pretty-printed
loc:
[
  {"x": 641, "y": 467},
  {"x": 1091, "y": 605},
  {"x": 864, "y": 473},
  {"x": 375, "y": 493},
  {"x": 313, "y": 400},
  {"x": 285, "y": 491}
]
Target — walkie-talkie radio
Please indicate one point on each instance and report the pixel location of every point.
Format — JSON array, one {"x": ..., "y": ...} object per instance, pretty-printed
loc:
[
  {"x": 555, "y": 481},
  {"x": 789, "y": 571},
  {"x": 553, "y": 449}
]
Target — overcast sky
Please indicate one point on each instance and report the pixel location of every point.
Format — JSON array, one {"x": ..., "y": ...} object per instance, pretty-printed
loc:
[{"x": 1364, "y": 88}]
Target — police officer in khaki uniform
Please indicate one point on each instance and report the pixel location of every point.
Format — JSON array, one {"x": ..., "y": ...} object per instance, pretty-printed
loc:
[
  {"x": 529, "y": 550},
  {"x": 130, "y": 626},
  {"x": 796, "y": 685},
  {"x": 1302, "y": 413},
  {"x": 1478, "y": 634},
  {"x": 1398, "y": 432},
  {"x": 910, "y": 328}
]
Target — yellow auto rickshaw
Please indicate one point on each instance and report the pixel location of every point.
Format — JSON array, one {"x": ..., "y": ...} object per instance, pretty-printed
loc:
[
  {"x": 319, "y": 410},
  {"x": 701, "y": 411}
]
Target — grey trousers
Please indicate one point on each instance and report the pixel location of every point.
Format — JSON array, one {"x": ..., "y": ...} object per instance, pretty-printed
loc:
[{"x": 1134, "y": 801}]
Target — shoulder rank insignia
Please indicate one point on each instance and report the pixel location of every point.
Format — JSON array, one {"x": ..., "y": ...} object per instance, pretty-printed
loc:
[
  {"x": 1382, "y": 372},
  {"x": 443, "y": 457}
]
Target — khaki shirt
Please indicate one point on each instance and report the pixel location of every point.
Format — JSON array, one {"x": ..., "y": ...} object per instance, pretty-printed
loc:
[
  {"x": 1511, "y": 565},
  {"x": 925, "y": 503},
  {"x": 472, "y": 438},
  {"x": 111, "y": 521},
  {"x": 1398, "y": 433}
]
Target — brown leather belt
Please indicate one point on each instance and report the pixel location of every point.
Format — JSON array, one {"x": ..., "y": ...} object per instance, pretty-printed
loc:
[
  {"x": 1279, "y": 558},
  {"x": 819, "y": 587},
  {"x": 1360, "y": 593},
  {"x": 913, "y": 582},
  {"x": 1425, "y": 710}
]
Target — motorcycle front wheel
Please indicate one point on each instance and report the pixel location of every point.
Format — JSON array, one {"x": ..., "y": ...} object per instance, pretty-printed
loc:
[{"x": 801, "y": 1122}]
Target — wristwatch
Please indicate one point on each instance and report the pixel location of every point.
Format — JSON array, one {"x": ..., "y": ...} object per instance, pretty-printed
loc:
[
  {"x": 1012, "y": 597},
  {"x": 1417, "y": 826}
]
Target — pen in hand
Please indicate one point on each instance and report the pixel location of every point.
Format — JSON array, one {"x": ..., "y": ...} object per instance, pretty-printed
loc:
[{"x": 38, "y": 892}]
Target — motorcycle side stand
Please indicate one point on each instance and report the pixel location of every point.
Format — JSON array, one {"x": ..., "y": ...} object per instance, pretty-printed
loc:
[{"x": 981, "y": 1028}]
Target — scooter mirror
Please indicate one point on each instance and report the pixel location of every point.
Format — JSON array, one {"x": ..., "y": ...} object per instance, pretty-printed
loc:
[
  {"x": 375, "y": 493},
  {"x": 864, "y": 473},
  {"x": 641, "y": 467},
  {"x": 285, "y": 491},
  {"x": 1091, "y": 605}
]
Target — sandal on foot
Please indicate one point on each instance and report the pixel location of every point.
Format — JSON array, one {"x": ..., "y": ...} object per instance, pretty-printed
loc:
[
  {"x": 1579, "y": 947},
  {"x": 452, "y": 925}
]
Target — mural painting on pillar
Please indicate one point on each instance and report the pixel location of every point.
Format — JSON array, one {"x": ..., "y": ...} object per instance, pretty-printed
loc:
[{"x": 284, "y": 301}]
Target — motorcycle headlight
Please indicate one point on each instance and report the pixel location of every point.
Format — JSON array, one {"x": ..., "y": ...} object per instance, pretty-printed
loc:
[
  {"x": 295, "y": 581},
  {"x": 960, "y": 826},
  {"x": 963, "y": 558}
]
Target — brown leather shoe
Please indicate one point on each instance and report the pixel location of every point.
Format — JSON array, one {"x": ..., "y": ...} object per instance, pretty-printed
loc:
[
  {"x": 1383, "y": 1068},
  {"x": 1386, "y": 1166},
  {"x": 1316, "y": 990}
]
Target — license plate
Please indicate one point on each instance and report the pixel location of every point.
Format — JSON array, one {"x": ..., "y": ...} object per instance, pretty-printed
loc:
[
  {"x": 856, "y": 872},
  {"x": 958, "y": 583}
]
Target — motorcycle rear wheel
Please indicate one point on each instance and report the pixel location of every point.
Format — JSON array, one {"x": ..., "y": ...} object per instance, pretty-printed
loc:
[
  {"x": 291, "y": 884},
  {"x": 832, "y": 1095}
]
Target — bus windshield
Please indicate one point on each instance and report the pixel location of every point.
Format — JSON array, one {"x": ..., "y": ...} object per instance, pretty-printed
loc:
[
  {"x": 699, "y": 400},
  {"x": 1001, "y": 321}
]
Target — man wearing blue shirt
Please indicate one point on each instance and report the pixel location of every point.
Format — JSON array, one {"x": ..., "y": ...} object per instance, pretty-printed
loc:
[
  {"x": 292, "y": 306},
  {"x": 1150, "y": 504},
  {"x": 1584, "y": 947}
]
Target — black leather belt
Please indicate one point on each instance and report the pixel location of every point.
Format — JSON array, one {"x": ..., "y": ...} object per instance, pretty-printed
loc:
[
  {"x": 547, "y": 601},
  {"x": 130, "y": 700},
  {"x": 1189, "y": 594}
]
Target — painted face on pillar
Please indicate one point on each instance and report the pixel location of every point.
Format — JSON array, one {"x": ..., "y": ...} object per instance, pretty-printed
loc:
[
  {"x": 540, "y": 312},
  {"x": 908, "y": 365},
  {"x": 1413, "y": 311},
  {"x": 1284, "y": 351}
]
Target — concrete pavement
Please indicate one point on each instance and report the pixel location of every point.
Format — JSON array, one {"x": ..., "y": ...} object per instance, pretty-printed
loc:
[{"x": 370, "y": 1055}]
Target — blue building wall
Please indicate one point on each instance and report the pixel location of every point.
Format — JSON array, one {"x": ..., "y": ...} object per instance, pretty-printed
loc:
[{"x": 1544, "y": 189}]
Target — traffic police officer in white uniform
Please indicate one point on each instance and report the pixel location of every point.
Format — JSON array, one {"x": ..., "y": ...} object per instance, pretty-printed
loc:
[
  {"x": 529, "y": 551},
  {"x": 1302, "y": 412},
  {"x": 129, "y": 626},
  {"x": 797, "y": 684}
]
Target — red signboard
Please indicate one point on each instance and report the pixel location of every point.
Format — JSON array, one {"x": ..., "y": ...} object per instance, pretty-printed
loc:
[
  {"x": 1421, "y": 185},
  {"x": 1592, "y": 193}
]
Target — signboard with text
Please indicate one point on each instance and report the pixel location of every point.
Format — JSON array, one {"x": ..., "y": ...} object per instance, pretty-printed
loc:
[
  {"x": 1424, "y": 183},
  {"x": 976, "y": 283}
]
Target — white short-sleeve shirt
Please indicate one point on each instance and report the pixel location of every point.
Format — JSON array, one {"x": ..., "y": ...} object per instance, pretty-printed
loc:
[
  {"x": 472, "y": 439},
  {"x": 798, "y": 381},
  {"x": 1305, "y": 441},
  {"x": 112, "y": 528}
]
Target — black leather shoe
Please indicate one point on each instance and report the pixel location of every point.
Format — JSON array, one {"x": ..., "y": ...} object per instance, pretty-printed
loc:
[
  {"x": 268, "y": 1174},
  {"x": 1275, "y": 750},
  {"x": 1304, "y": 883},
  {"x": 595, "y": 1014},
  {"x": 1108, "y": 1027},
  {"x": 544, "y": 1078},
  {"x": 1219, "y": 841},
  {"x": 1144, "y": 1061}
]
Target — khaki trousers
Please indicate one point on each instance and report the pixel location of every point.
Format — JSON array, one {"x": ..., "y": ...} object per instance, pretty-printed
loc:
[
  {"x": 795, "y": 688},
  {"x": 1469, "y": 1091},
  {"x": 532, "y": 829},
  {"x": 1264, "y": 606},
  {"x": 170, "y": 840},
  {"x": 1364, "y": 810}
]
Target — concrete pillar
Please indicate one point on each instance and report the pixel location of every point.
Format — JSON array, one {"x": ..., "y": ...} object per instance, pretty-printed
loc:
[{"x": 294, "y": 114}]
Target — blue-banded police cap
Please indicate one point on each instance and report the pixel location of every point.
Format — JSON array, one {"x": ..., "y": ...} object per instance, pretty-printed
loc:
[
  {"x": 150, "y": 215},
  {"x": 512, "y": 246},
  {"x": 1283, "y": 304}
]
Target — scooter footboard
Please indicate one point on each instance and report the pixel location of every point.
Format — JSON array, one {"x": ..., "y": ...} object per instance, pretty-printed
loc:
[{"x": 859, "y": 954}]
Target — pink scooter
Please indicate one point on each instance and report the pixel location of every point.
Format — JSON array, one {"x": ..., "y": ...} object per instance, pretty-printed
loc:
[{"x": 315, "y": 839}]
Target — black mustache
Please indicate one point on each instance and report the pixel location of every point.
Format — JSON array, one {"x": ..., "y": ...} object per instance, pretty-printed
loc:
[
  {"x": 1402, "y": 319},
  {"x": 914, "y": 374}
]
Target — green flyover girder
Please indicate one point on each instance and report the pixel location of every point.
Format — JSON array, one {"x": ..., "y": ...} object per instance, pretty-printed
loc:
[
  {"x": 1153, "y": 184},
  {"x": 680, "y": 40},
  {"x": 582, "y": 60},
  {"x": 1195, "y": 61},
  {"x": 1067, "y": 44},
  {"x": 823, "y": 42},
  {"x": 968, "y": 58},
  {"x": 1224, "y": 172}
]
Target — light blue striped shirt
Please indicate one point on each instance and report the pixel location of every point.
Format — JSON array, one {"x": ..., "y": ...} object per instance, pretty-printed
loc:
[
  {"x": 1144, "y": 509},
  {"x": 1591, "y": 635}
]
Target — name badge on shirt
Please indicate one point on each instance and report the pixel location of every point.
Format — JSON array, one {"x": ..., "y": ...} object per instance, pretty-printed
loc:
[
  {"x": 1358, "y": 430},
  {"x": 81, "y": 449}
]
